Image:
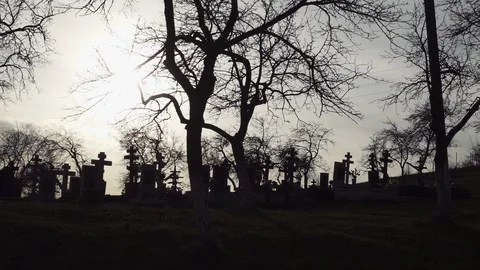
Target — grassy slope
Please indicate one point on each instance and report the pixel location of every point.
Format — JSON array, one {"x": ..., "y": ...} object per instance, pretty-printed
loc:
[{"x": 333, "y": 236}]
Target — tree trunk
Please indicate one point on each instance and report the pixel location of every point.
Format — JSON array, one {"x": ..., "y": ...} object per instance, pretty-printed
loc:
[
  {"x": 438, "y": 114},
  {"x": 245, "y": 183},
  {"x": 208, "y": 236},
  {"x": 442, "y": 179}
]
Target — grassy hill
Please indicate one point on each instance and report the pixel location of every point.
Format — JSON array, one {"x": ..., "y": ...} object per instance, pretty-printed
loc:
[{"x": 331, "y": 236}]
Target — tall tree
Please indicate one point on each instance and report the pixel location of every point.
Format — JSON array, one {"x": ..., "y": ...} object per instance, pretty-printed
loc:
[
  {"x": 289, "y": 53},
  {"x": 447, "y": 74}
]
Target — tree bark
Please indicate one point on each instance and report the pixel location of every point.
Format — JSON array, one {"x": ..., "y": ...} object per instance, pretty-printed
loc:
[
  {"x": 245, "y": 183},
  {"x": 438, "y": 114},
  {"x": 208, "y": 236}
]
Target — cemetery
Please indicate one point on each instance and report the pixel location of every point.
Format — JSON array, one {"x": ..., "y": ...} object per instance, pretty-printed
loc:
[
  {"x": 151, "y": 184},
  {"x": 259, "y": 92}
]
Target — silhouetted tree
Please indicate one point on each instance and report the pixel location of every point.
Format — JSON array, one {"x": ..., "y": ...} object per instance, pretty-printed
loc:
[
  {"x": 25, "y": 42},
  {"x": 448, "y": 73},
  {"x": 253, "y": 53},
  {"x": 20, "y": 143}
]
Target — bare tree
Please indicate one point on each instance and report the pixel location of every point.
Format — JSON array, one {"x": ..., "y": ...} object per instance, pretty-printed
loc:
[
  {"x": 447, "y": 75},
  {"x": 310, "y": 139},
  {"x": 24, "y": 42},
  {"x": 21, "y": 143},
  {"x": 254, "y": 53},
  {"x": 72, "y": 147}
]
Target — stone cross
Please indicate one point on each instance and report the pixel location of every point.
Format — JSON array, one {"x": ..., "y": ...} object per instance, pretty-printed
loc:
[
  {"x": 36, "y": 161},
  {"x": 347, "y": 162},
  {"x": 385, "y": 159},
  {"x": 291, "y": 167},
  {"x": 174, "y": 176},
  {"x": 100, "y": 163},
  {"x": 131, "y": 167},
  {"x": 65, "y": 173},
  {"x": 268, "y": 165}
]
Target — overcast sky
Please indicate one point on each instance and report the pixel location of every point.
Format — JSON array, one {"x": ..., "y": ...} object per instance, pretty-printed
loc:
[{"x": 77, "y": 37}]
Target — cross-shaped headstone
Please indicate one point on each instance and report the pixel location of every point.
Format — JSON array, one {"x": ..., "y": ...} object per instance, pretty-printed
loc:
[
  {"x": 100, "y": 164},
  {"x": 385, "y": 159},
  {"x": 131, "y": 167},
  {"x": 291, "y": 166},
  {"x": 174, "y": 176},
  {"x": 36, "y": 161},
  {"x": 267, "y": 166},
  {"x": 65, "y": 173},
  {"x": 347, "y": 162}
]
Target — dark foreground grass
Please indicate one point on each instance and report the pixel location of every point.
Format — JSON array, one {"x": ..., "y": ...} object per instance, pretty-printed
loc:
[{"x": 332, "y": 236}]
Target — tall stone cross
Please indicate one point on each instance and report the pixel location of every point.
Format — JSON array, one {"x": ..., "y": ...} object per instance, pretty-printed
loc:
[
  {"x": 266, "y": 168},
  {"x": 347, "y": 162},
  {"x": 372, "y": 159},
  {"x": 131, "y": 167},
  {"x": 385, "y": 159},
  {"x": 100, "y": 164},
  {"x": 174, "y": 176},
  {"x": 65, "y": 173},
  {"x": 291, "y": 166},
  {"x": 36, "y": 161}
]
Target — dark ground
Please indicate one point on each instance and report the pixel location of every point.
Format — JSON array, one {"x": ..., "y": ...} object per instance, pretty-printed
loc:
[{"x": 332, "y": 236}]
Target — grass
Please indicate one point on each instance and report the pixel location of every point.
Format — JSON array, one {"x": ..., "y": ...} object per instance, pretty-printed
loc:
[{"x": 331, "y": 236}]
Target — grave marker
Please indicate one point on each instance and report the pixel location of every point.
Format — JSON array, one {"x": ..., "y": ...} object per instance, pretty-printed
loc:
[
  {"x": 132, "y": 168},
  {"x": 36, "y": 162},
  {"x": 347, "y": 162},
  {"x": 385, "y": 159},
  {"x": 65, "y": 173}
]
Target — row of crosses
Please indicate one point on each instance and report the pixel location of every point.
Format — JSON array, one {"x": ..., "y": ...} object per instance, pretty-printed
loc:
[
  {"x": 134, "y": 169},
  {"x": 63, "y": 171}
]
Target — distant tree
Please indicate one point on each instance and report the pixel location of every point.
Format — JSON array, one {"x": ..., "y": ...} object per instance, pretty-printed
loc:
[
  {"x": 25, "y": 42},
  {"x": 309, "y": 140},
  {"x": 20, "y": 143},
  {"x": 72, "y": 147}
]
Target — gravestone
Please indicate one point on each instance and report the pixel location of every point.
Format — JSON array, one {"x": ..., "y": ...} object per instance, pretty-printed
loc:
[
  {"x": 220, "y": 179},
  {"x": 147, "y": 180},
  {"x": 324, "y": 180},
  {"x": 8, "y": 186},
  {"x": 75, "y": 188},
  {"x": 338, "y": 174},
  {"x": 65, "y": 173},
  {"x": 373, "y": 178},
  {"x": 347, "y": 162},
  {"x": 266, "y": 169},
  {"x": 47, "y": 187},
  {"x": 93, "y": 186},
  {"x": 132, "y": 168},
  {"x": 35, "y": 175},
  {"x": 385, "y": 159},
  {"x": 174, "y": 176}
]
